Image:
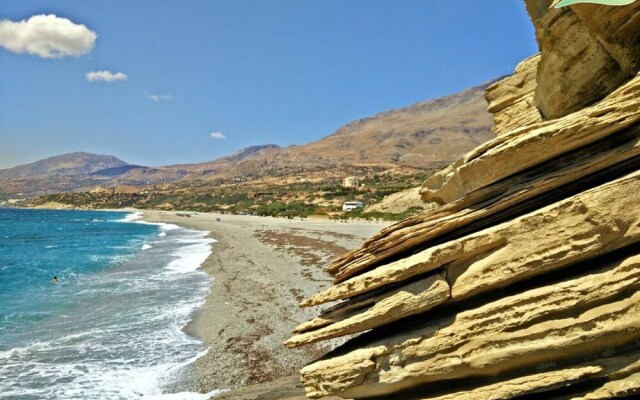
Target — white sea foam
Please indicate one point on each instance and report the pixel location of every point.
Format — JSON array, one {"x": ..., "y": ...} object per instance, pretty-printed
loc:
[
  {"x": 18, "y": 352},
  {"x": 67, "y": 341},
  {"x": 87, "y": 381},
  {"x": 188, "y": 258},
  {"x": 167, "y": 227},
  {"x": 185, "y": 395},
  {"x": 164, "y": 227},
  {"x": 134, "y": 216},
  {"x": 129, "y": 343},
  {"x": 191, "y": 256},
  {"x": 137, "y": 218}
]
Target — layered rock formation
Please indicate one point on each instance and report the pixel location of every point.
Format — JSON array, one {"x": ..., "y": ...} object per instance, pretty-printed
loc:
[
  {"x": 587, "y": 51},
  {"x": 511, "y": 99},
  {"x": 524, "y": 283}
]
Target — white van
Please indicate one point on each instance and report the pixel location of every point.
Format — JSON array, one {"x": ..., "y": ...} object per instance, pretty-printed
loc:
[{"x": 352, "y": 205}]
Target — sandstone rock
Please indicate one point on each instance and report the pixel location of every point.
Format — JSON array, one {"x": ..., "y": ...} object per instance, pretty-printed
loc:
[
  {"x": 501, "y": 200},
  {"x": 407, "y": 268},
  {"x": 584, "y": 226},
  {"x": 618, "y": 31},
  {"x": 587, "y": 52},
  {"x": 575, "y": 70},
  {"x": 564, "y": 296},
  {"x": 511, "y": 99},
  {"x": 534, "y": 144},
  {"x": 520, "y": 330},
  {"x": 410, "y": 299},
  {"x": 400, "y": 202},
  {"x": 525, "y": 282},
  {"x": 623, "y": 387},
  {"x": 621, "y": 372},
  {"x": 524, "y": 386}
]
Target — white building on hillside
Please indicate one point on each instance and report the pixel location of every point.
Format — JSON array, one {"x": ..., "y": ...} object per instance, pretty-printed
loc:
[{"x": 351, "y": 182}]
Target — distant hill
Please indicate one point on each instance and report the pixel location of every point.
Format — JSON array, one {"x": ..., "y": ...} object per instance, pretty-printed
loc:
[
  {"x": 79, "y": 163},
  {"x": 425, "y": 135},
  {"x": 422, "y": 136}
]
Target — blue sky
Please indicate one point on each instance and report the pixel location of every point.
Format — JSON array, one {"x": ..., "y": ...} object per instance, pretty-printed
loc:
[{"x": 256, "y": 72}]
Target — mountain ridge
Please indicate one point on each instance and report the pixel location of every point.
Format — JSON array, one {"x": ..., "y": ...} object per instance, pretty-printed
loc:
[{"x": 422, "y": 136}]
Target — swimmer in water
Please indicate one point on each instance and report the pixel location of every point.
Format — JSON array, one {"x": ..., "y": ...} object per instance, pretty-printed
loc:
[{"x": 54, "y": 279}]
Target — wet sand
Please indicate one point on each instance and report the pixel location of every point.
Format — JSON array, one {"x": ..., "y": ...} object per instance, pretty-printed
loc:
[{"x": 261, "y": 268}]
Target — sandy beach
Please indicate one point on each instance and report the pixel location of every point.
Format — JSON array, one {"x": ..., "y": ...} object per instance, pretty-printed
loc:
[{"x": 261, "y": 268}]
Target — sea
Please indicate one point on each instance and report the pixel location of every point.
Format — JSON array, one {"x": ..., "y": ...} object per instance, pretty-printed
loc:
[{"x": 112, "y": 325}]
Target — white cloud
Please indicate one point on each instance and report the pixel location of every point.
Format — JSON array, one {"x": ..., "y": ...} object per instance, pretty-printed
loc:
[
  {"x": 47, "y": 36},
  {"x": 218, "y": 135},
  {"x": 105, "y": 76},
  {"x": 160, "y": 97}
]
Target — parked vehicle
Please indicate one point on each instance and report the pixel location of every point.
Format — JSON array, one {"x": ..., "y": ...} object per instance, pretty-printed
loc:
[{"x": 352, "y": 205}]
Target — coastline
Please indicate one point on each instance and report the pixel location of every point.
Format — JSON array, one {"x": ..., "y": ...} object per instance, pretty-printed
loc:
[
  {"x": 261, "y": 268},
  {"x": 112, "y": 325}
]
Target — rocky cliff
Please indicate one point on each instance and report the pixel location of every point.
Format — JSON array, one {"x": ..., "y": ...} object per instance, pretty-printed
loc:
[{"x": 524, "y": 283}]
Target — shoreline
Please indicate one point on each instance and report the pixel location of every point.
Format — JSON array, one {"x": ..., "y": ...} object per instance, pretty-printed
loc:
[
  {"x": 118, "y": 310},
  {"x": 261, "y": 267}
]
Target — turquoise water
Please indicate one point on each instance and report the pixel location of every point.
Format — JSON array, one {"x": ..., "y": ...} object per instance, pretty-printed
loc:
[{"x": 111, "y": 328}]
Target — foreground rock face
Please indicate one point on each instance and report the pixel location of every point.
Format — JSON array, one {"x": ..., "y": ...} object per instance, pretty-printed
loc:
[{"x": 524, "y": 283}]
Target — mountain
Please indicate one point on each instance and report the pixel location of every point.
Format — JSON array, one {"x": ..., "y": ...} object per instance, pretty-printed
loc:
[
  {"x": 78, "y": 163},
  {"x": 423, "y": 136}
]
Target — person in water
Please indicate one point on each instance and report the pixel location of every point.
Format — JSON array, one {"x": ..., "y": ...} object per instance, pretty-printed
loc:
[{"x": 54, "y": 279}]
